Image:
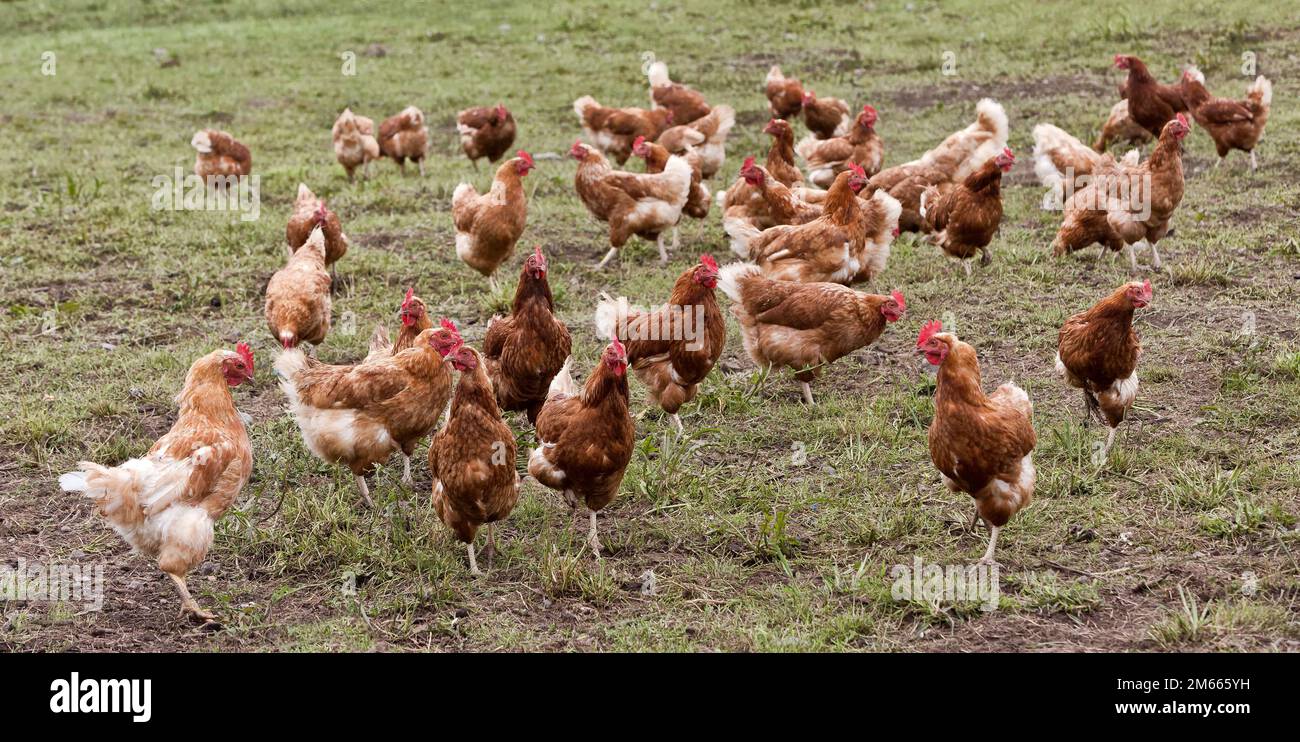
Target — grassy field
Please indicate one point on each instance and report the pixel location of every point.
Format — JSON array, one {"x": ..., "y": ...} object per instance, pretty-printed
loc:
[{"x": 770, "y": 526}]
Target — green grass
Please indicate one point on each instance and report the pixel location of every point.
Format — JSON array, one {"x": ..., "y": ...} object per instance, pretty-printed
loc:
[{"x": 770, "y": 526}]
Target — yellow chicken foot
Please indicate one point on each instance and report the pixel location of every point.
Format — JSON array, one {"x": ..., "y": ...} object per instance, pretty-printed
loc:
[{"x": 188, "y": 606}]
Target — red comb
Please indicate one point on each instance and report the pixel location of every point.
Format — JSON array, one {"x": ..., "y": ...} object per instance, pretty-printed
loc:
[
  {"x": 636, "y": 143},
  {"x": 1146, "y": 286},
  {"x": 868, "y": 109},
  {"x": 898, "y": 299},
  {"x": 537, "y": 250},
  {"x": 450, "y": 326},
  {"x": 749, "y": 164},
  {"x": 1007, "y": 151},
  {"x": 527, "y": 158},
  {"x": 618, "y": 347},
  {"x": 857, "y": 169},
  {"x": 1182, "y": 119},
  {"x": 247, "y": 354},
  {"x": 410, "y": 294},
  {"x": 928, "y": 331},
  {"x": 708, "y": 262}
]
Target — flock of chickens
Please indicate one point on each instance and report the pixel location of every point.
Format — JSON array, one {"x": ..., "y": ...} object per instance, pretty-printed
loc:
[{"x": 804, "y": 237}]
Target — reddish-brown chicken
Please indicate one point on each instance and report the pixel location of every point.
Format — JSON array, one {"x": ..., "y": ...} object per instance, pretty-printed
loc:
[
  {"x": 982, "y": 444},
  {"x": 742, "y": 200},
  {"x": 1150, "y": 104},
  {"x": 1098, "y": 352},
  {"x": 962, "y": 218},
  {"x": 784, "y": 94},
  {"x": 777, "y": 204},
  {"x": 524, "y": 351},
  {"x": 359, "y": 415},
  {"x": 612, "y": 130},
  {"x": 586, "y": 436},
  {"x": 489, "y": 225},
  {"x": 220, "y": 157},
  {"x": 706, "y": 136},
  {"x": 1130, "y": 205},
  {"x": 298, "y": 302},
  {"x": 1120, "y": 127},
  {"x": 827, "y": 158},
  {"x": 848, "y": 243},
  {"x": 485, "y": 131},
  {"x": 656, "y": 159},
  {"x": 956, "y": 157},
  {"x": 165, "y": 504},
  {"x": 804, "y": 326},
  {"x": 1061, "y": 162},
  {"x": 415, "y": 320},
  {"x": 405, "y": 137},
  {"x": 826, "y": 117},
  {"x": 632, "y": 204},
  {"x": 355, "y": 145},
  {"x": 472, "y": 459},
  {"x": 674, "y": 347},
  {"x": 1231, "y": 124},
  {"x": 686, "y": 104},
  {"x": 309, "y": 212}
]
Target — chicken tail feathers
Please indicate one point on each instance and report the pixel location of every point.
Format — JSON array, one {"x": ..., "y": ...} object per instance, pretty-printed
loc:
[
  {"x": 730, "y": 277},
  {"x": 287, "y": 365},
  {"x": 563, "y": 384},
  {"x": 1260, "y": 92},
  {"x": 658, "y": 74},
  {"x": 582, "y": 105},
  {"x": 121, "y": 492},
  {"x": 993, "y": 118},
  {"x": 742, "y": 233},
  {"x": 611, "y": 314}
]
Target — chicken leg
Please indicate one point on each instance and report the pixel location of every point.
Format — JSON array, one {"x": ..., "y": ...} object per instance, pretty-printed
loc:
[
  {"x": 1155, "y": 257},
  {"x": 608, "y": 256},
  {"x": 807, "y": 393},
  {"x": 489, "y": 550},
  {"x": 188, "y": 606},
  {"x": 492, "y": 284},
  {"x": 1110, "y": 441},
  {"x": 365, "y": 491},
  {"x": 473, "y": 564},
  {"x": 993, "y": 542},
  {"x": 406, "y": 471},
  {"x": 593, "y": 540},
  {"x": 420, "y": 162},
  {"x": 677, "y": 423},
  {"x": 663, "y": 249},
  {"x": 1253, "y": 164}
]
